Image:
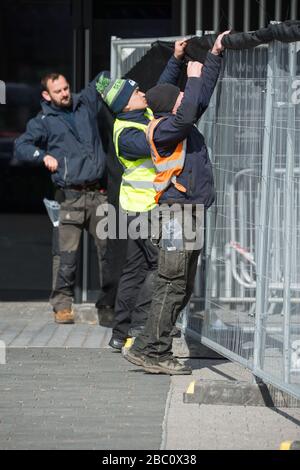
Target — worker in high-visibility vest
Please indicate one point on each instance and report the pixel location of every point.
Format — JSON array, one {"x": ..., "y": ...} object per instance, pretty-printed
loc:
[
  {"x": 137, "y": 194},
  {"x": 185, "y": 186}
]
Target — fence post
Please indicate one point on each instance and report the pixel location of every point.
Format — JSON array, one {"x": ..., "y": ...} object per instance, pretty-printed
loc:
[
  {"x": 216, "y": 20},
  {"x": 288, "y": 219},
  {"x": 183, "y": 17},
  {"x": 113, "y": 58},
  {"x": 263, "y": 235},
  {"x": 246, "y": 15},
  {"x": 278, "y": 7},
  {"x": 198, "y": 22},
  {"x": 293, "y": 9},
  {"x": 231, "y": 5},
  {"x": 262, "y": 13},
  {"x": 2, "y": 92}
]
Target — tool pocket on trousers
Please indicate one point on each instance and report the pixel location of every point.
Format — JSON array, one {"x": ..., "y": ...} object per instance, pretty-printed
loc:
[
  {"x": 171, "y": 264},
  {"x": 70, "y": 215}
]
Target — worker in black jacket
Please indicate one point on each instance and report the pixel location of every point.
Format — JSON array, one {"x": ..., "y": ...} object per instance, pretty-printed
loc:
[{"x": 64, "y": 137}]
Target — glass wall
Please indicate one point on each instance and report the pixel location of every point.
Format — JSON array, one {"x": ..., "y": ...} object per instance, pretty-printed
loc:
[{"x": 35, "y": 38}]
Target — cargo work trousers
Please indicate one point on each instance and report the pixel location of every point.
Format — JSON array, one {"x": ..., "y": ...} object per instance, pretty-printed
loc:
[
  {"x": 77, "y": 212},
  {"x": 172, "y": 289}
]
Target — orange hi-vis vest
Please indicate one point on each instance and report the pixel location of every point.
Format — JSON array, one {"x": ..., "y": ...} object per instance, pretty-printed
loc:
[{"x": 167, "y": 168}]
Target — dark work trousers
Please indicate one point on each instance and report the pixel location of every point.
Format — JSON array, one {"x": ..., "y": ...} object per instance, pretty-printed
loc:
[
  {"x": 77, "y": 211},
  {"x": 115, "y": 255},
  {"x": 135, "y": 286},
  {"x": 55, "y": 255},
  {"x": 172, "y": 289},
  {"x": 58, "y": 197}
]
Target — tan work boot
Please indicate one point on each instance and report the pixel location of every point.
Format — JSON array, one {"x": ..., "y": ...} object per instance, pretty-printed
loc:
[{"x": 64, "y": 316}]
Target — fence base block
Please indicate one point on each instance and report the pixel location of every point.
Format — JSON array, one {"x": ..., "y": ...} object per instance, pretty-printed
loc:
[{"x": 221, "y": 392}]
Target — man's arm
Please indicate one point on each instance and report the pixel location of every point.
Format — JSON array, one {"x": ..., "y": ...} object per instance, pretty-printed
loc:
[
  {"x": 198, "y": 91},
  {"x": 31, "y": 146},
  {"x": 133, "y": 144},
  {"x": 173, "y": 68},
  {"x": 197, "y": 94},
  {"x": 210, "y": 72},
  {"x": 91, "y": 95}
]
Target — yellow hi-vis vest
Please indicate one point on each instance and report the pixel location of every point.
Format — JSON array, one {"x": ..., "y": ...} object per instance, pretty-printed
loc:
[{"x": 137, "y": 192}]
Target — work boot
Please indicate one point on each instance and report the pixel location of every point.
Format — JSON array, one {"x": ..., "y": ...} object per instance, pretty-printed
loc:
[
  {"x": 168, "y": 366},
  {"x": 135, "y": 358},
  {"x": 106, "y": 316},
  {"x": 116, "y": 343},
  {"x": 64, "y": 316}
]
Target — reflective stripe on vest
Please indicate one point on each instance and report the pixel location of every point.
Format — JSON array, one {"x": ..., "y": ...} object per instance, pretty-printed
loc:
[
  {"x": 137, "y": 193},
  {"x": 167, "y": 168}
]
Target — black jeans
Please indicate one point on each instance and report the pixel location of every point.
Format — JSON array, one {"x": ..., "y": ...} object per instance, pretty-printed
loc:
[
  {"x": 136, "y": 283},
  {"x": 172, "y": 289},
  {"x": 135, "y": 287}
]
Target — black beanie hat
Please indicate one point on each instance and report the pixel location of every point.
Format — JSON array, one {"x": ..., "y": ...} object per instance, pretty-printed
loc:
[{"x": 161, "y": 98}]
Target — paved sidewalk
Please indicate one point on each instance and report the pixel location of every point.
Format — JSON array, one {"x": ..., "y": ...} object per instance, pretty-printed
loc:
[
  {"x": 78, "y": 399},
  {"x": 216, "y": 427},
  {"x": 62, "y": 387}
]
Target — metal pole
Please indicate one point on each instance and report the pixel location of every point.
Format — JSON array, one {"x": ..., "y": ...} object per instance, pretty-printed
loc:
[
  {"x": 246, "y": 15},
  {"x": 293, "y": 9},
  {"x": 113, "y": 58},
  {"x": 231, "y": 14},
  {"x": 198, "y": 23},
  {"x": 278, "y": 5},
  {"x": 183, "y": 17},
  {"x": 289, "y": 220},
  {"x": 87, "y": 61},
  {"x": 74, "y": 75},
  {"x": 216, "y": 22},
  {"x": 85, "y": 241},
  {"x": 262, "y": 253},
  {"x": 262, "y": 13}
]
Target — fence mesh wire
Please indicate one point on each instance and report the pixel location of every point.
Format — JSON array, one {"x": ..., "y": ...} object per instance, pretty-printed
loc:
[{"x": 252, "y": 297}]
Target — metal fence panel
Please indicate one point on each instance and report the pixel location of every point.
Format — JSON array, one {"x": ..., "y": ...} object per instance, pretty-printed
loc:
[
  {"x": 252, "y": 255},
  {"x": 125, "y": 53},
  {"x": 252, "y": 310}
]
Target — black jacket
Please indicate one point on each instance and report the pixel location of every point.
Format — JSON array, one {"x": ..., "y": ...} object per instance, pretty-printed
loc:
[
  {"x": 197, "y": 174},
  {"x": 79, "y": 150}
]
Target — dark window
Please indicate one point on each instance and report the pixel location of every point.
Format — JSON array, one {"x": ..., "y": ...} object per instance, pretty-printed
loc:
[
  {"x": 35, "y": 38},
  {"x": 128, "y": 19}
]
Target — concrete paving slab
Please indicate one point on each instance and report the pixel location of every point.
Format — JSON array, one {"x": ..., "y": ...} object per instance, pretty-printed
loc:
[
  {"x": 31, "y": 324},
  {"x": 93, "y": 413}
]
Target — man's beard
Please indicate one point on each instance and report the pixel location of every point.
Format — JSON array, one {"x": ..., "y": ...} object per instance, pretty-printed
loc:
[{"x": 63, "y": 104}]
